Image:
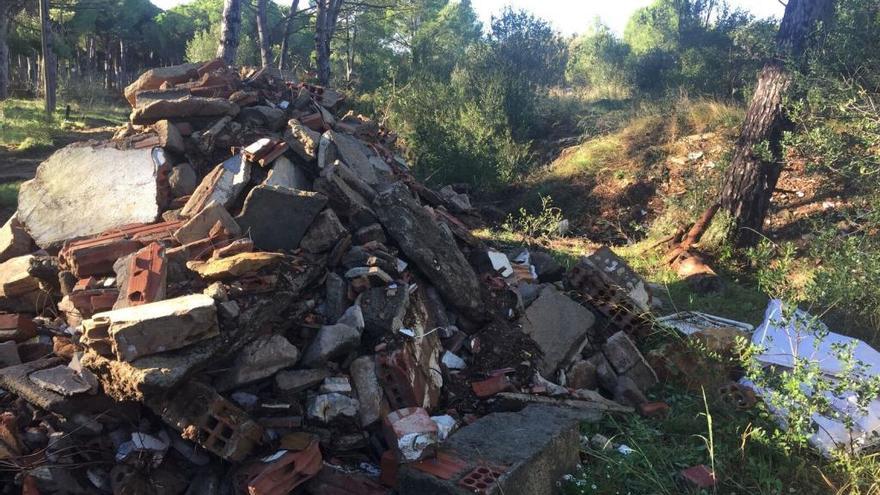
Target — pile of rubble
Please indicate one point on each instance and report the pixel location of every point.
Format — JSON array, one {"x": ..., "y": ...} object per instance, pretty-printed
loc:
[{"x": 246, "y": 290}]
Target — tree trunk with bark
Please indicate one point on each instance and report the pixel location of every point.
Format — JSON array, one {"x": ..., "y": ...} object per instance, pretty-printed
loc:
[
  {"x": 288, "y": 29},
  {"x": 757, "y": 157},
  {"x": 50, "y": 76},
  {"x": 5, "y": 14},
  {"x": 263, "y": 33},
  {"x": 325, "y": 26},
  {"x": 230, "y": 31}
]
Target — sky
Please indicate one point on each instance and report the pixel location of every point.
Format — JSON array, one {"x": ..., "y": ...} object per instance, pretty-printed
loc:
[{"x": 574, "y": 16}]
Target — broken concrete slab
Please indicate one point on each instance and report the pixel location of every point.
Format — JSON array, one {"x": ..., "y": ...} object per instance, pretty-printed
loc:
[
  {"x": 324, "y": 233},
  {"x": 626, "y": 360},
  {"x": 15, "y": 279},
  {"x": 235, "y": 265},
  {"x": 130, "y": 333},
  {"x": 285, "y": 173},
  {"x": 264, "y": 116},
  {"x": 560, "y": 327},
  {"x": 332, "y": 342},
  {"x": 182, "y": 180},
  {"x": 61, "y": 379},
  {"x": 431, "y": 247},
  {"x": 186, "y": 107},
  {"x": 347, "y": 200},
  {"x": 14, "y": 379},
  {"x": 277, "y": 218},
  {"x": 9, "y": 354},
  {"x": 262, "y": 358},
  {"x": 222, "y": 185},
  {"x": 295, "y": 381},
  {"x": 53, "y": 208},
  {"x": 354, "y": 154},
  {"x": 14, "y": 240},
  {"x": 169, "y": 137},
  {"x": 369, "y": 392},
  {"x": 384, "y": 310},
  {"x": 155, "y": 78},
  {"x": 327, "y": 408},
  {"x": 530, "y": 451},
  {"x": 199, "y": 226},
  {"x": 302, "y": 140}
]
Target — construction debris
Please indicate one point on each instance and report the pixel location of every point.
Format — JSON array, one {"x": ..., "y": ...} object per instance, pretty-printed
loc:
[{"x": 247, "y": 274}]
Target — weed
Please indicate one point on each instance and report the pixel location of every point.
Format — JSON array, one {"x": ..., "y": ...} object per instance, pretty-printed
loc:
[{"x": 547, "y": 223}]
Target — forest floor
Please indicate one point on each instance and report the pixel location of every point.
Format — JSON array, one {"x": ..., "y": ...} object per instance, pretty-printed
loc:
[
  {"x": 630, "y": 184},
  {"x": 28, "y": 136}
]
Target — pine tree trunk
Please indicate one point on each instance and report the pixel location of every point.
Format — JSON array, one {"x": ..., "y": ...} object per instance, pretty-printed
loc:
[
  {"x": 757, "y": 157},
  {"x": 5, "y": 13},
  {"x": 230, "y": 31},
  {"x": 263, "y": 33},
  {"x": 50, "y": 76},
  {"x": 325, "y": 25},
  {"x": 288, "y": 28}
]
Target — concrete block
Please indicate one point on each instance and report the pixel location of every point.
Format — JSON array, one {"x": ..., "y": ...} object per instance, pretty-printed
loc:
[
  {"x": 112, "y": 188},
  {"x": 532, "y": 448},
  {"x": 277, "y": 218},
  {"x": 133, "y": 332},
  {"x": 559, "y": 325}
]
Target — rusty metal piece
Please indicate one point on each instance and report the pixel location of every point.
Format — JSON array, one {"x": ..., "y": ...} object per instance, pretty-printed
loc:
[
  {"x": 96, "y": 255},
  {"x": 17, "y": 327},
  {"x": 482, "y": 479},
  {"x": 282, "y": 475},
  {"x": 146, "y": 275},
  {"x": 205, "y": 417},
  {"x": 608, "y": 299},
  {"x": 444, "y": 466}
]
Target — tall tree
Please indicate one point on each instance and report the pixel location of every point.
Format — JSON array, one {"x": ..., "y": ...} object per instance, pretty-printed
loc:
[
  {"x": 6, "y": 12},
  {"x": 263, "y": 32},
  {"x": 757, "y": 158},
  {"x": 288, "y": 28},
  {"x": 230, "y": 30},
  {"x": 325, "y": 26},
  {"x": 50, "y": 75}
]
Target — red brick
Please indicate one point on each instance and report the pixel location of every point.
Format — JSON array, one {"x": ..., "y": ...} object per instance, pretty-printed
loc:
[
  {"x": 146, "y": 275},
  {"x": 653, "y": 409},
  {"x": 282, "y": 475},
  {"x": 491, "y": 386},
  {"x": 699, "y": 476}
]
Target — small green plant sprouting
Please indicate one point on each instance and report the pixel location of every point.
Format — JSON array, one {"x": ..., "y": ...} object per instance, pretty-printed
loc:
[{"x": 545, "y": 224}]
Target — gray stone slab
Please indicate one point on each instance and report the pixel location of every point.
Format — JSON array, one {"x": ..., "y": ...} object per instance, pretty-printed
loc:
[
  {"x": 538, "y": 445},
  {"x": 277, "y": 218},
  {"x": 559, "y": 325}
]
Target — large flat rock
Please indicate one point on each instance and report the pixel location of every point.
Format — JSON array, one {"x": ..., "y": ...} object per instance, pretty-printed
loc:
[
  {"x": 559, "y": 325},
  {"x": 429, "y": 244},
  {"x": 85, "y": 190}
]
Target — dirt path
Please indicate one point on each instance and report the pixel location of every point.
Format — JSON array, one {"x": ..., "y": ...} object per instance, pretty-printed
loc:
[{"x": 22, "y": 165}]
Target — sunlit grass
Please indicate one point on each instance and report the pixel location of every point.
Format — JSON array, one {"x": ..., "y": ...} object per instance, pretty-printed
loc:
[{"x": 25, "y": 126}]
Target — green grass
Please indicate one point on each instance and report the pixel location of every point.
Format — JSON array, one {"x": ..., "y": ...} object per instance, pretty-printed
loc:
[
  {"x": 746, "y": 457},
  {"x": 24, "y": 125},
  {"x": 9, "y": 194}
]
